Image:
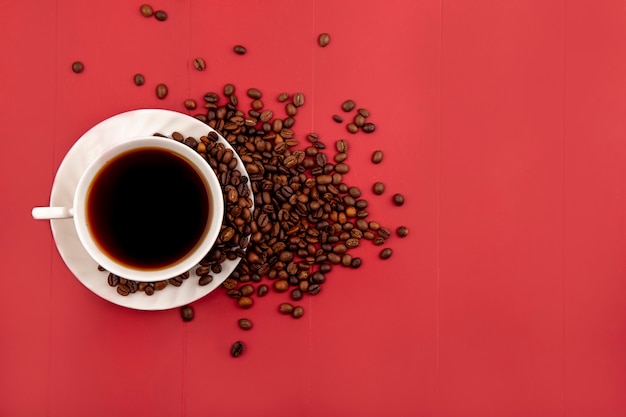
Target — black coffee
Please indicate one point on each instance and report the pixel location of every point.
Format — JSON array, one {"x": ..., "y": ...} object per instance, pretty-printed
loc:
[{"x": 147, "y": 208}]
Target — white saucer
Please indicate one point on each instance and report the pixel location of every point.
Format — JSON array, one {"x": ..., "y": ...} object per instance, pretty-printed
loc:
[{"x": 105, "y": 134}]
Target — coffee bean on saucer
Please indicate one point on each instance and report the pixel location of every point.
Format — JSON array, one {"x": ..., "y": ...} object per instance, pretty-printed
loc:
[
  {"x": 113, "y": 280},
  {"x": 78, "y": 67},
  {"x": 160, "y": 15},
  {"x": 146, "y": 10},
  {"x": 186, "y": 313},
  {"x": 123, "y": 290}
]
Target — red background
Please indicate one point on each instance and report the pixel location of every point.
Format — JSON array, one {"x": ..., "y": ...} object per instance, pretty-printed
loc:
[{"x": 502, "y": 122}]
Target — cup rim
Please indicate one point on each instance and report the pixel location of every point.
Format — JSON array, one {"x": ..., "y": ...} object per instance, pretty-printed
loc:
[{"x": 216, "y": 212}]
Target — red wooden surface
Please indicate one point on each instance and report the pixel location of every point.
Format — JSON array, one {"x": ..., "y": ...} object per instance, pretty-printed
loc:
[{"x": 502, "y": 122}]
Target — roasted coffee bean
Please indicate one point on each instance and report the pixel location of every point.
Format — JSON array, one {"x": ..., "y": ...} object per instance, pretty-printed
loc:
[
  {"x": 239, "y": 50},
  {"x": 161, "y": 91},
  {"x": 229, "y": 89},
  {"x": 149, "y": 289},
  {"x": 113, "y": 280},
  {"x": 340, "y": 157},
  {"x": 160, "y": 285},
  {"x": 297, "y": 312},
  {"x": 386, "y": 253},
  {"x": 123, "y": 290},
  {"x": 78, "y": 67},
  {"x": 282, "y": 97},
  {"x": 199, "y": 64},
  {"x": 190, "y": 104},
  {"x": 298, "y": 100},
  {"x": 229, "y": 283},
  {"x": 247, "y": 290},
  {"x": 281, "y": 285},
  {"x": 186, "y": 313},
  {"x": 378, "y": 241},
  {"x": 364, "y": 112},
  {"x": 296, "y": 294},
  {"x": 356, "y": 263},
  {"x": 398, "y": 199},
  {"x": 402, "y": 231},
  {"x": 342, "y": 168},
  {"x": 291, "y": 109},
  {"x": 176, "y": 281},
  {"x": 133, "y": 286},
  {"x": 262, "y": 290},
  {"x": 352, "y": 128},
  {"x": 341, "y": 145},
  {"x": 374, "y": 225},
  {"x": 323, "y": 39},
  {"x": 285, "y": 308},
  {"x": 369, "y": 127},
  {"x": 384, "y": 233},
  {"x": 314, "y": 289},
  {"x": 378, "y": 188},
  {"x": 233, "y": 293},
  {"x": 160, "y": 15},
  {"x": 347, "y": 105},
  {"x": 245, "y": 302},
  {"x": 358, "y": 120},
  {"x": 237, "y": 349},
  {"x": 377, "y": 157},
  {"x": 146, "y": 10},
  {"x": 139, "y": 79},
  {"x": 254, "y": 93},
  {"x": 245, "y": 324},
  {"x": 205, "y": 280}
]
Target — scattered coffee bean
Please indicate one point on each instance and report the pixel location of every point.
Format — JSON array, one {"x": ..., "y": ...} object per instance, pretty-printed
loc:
[
  {"x": 186, "y": 313},
  {"x": 247, "y": 290},
  {"x": 358, "y": 120},
  {"x": 199, "y": 64},
  {"x": 364, "y": 112},
  {"x": 245, "y": 324},
  {"x": 369, "y": 127},
  {"x": 190, "y": 104},
  {"x": 254, "y": 93},
  {"x": 282, "y": 97},
  {"x": 356, "y": 263},
  {"x": 347, "y": 105},
  {"x": 239, "y": 50},
  {"x": 78, "y": 67},
  {"x": 229, "y": 90},
  {"x": 385, "y": 253},
  {"x": 139, "y": 79},
  {"x": 285, "y": 308},
  {"x": 323, "y": 39},
  {"x": 146, "y": 10},
  {"x": 245, "y": 302},
  {"x": 379, "y": 188},
  {"x": 402, "y": 231},
  {"x": 297, "y": 312},
  {"x": 337, "y": 118},
  {"x": 160, "y": 15},
  {"x": 352, "y": 128},
  {"x": 377, "y": 157},
  {"x": 298, "y": 99},
  {"x": 262, "y": 290},
  {"x": 341, "y": 145},
  {"x": 161, "y": 91},
  {"x": 398, "y": 199},
  {"x": 237, "y": 349},
  {"x": 296, "y": 294}
]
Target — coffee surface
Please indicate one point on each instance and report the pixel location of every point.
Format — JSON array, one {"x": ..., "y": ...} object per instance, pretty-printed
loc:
[{"x": 147, "y": 208}]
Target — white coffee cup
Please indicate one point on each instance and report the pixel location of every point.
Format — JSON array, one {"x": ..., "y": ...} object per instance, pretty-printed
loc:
[{"x": 93, "y": 245}]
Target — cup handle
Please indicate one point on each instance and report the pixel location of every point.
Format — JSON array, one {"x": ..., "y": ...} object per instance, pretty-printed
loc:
[{"x": 46, "y": 213}]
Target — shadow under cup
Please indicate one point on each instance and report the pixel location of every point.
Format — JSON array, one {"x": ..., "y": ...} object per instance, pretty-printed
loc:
[{"x": 149, "y": 209}]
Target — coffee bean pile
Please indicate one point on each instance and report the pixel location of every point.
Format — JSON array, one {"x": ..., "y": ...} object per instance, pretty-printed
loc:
[{"x": 306, "y": 219}]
